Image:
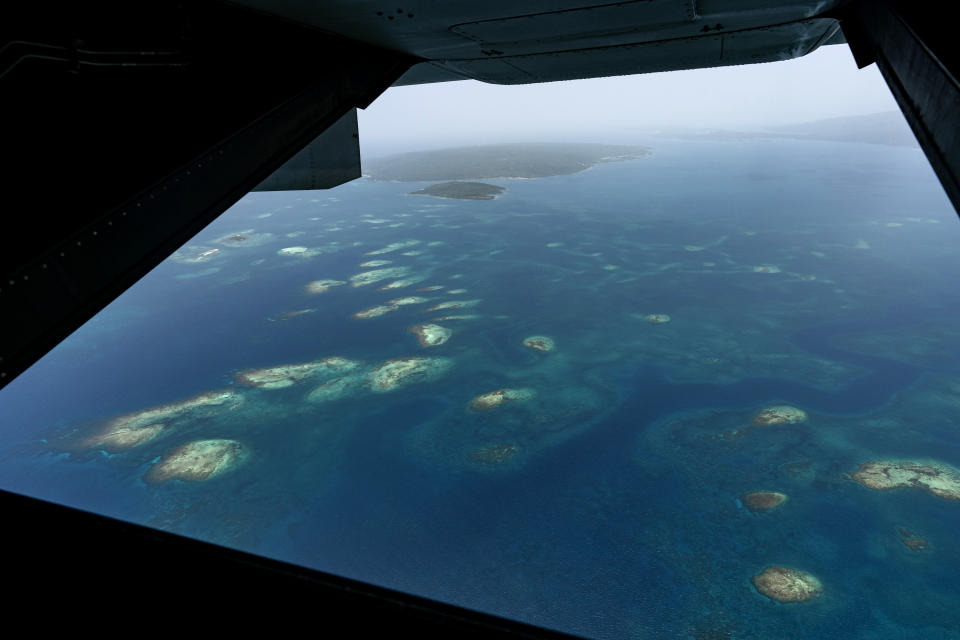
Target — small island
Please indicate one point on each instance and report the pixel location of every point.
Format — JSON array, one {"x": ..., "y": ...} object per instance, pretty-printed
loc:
[{"x": 461, "y": 191}]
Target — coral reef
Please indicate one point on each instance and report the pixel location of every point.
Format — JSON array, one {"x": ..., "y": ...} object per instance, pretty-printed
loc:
[
  {"x": 784, "y": 584},
  {"x": 376, "y": 275},
  {"x": 540, "y": 343},
  {"x": 137, "y": 428},
  {"x": 430, "y": 335},
  {"x": 321, "y": 286},
  {"x": 299, "y": 252},
  {"x": 493, "y": 454},
  {"x": 401, "y": 284},
  {"x": 937, "y": 478},
  {"x": 408, "y": 300},
  {"x": 290, "y": 314},
  {"x": 193, "y": 254},
  {"x": 782, "y": 414},
  {"x": 494, "y": 399},
  {"x": 120, "y": 437},
  {"x": 246, "y": 238},
  {"x": 399, "y": 372},
  {"x": 336, "y": 389},
  {"x": 375, "y": 312},
  {"x": 763, "y": 500},
  {"x": 198, "y": 461},
  {"x": 912, "y": 540},
  {"x": 287, "y": 375},
  {"x": 394, "y": 246},
  {"x": 453, "y": 304}
]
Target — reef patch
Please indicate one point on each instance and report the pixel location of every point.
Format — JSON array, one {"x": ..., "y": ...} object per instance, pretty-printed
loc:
[
  {"x": 763, "y": 500},
  {"x": 782, "y": 414},
  {"x": 937, "y": 478},
  {"x": 321, "y": 286},
  {"x": 785, "y": 585},
  {"x": 287, "y": 375},
  {"x": 498, "y": 398},
  {"x": 540, "y": 343},
  {"x": 430, "y": 335},
  {"x": 399, "y": 372},
  {"x": 493, "y": 454},
  {"x": 198, "y": 461},
  {"x": 364, "y": 278},
  {"x": 375, "y": 312},
  {"x": 140, "y": 427}
]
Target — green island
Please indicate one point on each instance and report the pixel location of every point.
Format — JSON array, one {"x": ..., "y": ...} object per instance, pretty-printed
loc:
[
  {"x": 461, "y": 190},
  {"x": 522, "y": 160}
]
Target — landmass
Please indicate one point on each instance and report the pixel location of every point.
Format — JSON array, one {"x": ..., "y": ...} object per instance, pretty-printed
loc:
[
  {"x": 887, "y": 128},
  {"x": 497, "y": 161},
  {"x": 461, "y": 190}
]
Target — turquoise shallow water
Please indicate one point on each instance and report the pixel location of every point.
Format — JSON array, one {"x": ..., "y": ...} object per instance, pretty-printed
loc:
[{"x": 811, "y": 274}]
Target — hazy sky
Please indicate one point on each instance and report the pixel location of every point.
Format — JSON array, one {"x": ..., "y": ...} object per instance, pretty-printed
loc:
[{"x": 824, "y": 84}]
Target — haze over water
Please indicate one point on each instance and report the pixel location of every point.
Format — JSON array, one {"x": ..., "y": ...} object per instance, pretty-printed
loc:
[{"x": 684, "y": 292}]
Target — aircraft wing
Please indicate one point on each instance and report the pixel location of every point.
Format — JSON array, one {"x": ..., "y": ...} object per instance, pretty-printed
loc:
[{"x": 535, "y": 41}]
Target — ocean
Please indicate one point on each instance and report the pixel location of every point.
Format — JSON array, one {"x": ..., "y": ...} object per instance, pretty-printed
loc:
[{"x": 623, "y": 356}]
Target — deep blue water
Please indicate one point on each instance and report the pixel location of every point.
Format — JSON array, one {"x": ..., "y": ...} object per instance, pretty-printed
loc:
[{"x": 618, "y": 515}]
